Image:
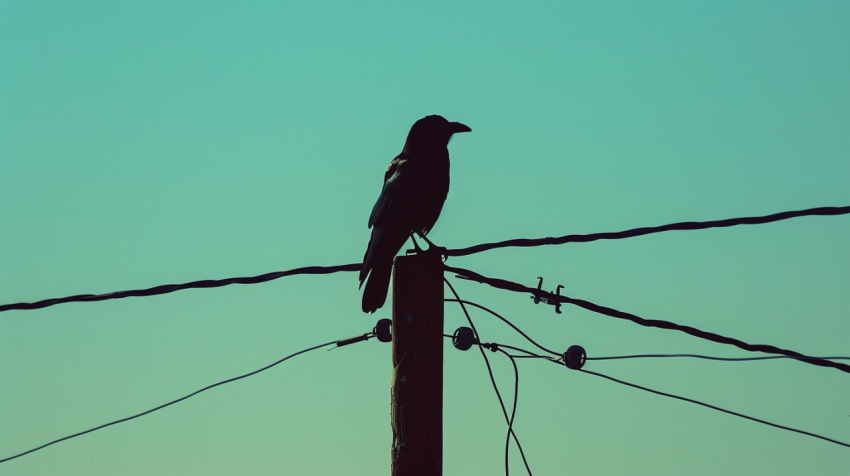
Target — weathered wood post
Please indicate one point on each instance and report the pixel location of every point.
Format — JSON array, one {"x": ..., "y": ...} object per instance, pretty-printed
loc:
[{"x": 417, "y": 385}]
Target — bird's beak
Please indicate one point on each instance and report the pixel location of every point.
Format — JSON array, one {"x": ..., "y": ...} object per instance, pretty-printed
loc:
[{"x": 456, "y": 127}]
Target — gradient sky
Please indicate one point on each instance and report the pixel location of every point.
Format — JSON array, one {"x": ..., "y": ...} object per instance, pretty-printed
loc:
[{"x": 144, "y": 143}]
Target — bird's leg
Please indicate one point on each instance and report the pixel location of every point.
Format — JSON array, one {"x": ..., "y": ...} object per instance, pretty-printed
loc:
[
  {"x": 432, "y": 247},
  {"x": 417, "y": 249}
]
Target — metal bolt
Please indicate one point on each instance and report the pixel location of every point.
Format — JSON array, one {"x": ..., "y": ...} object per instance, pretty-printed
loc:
[
  {"x": 408, "y": 319},
  {"x": 403, "y": 379}
]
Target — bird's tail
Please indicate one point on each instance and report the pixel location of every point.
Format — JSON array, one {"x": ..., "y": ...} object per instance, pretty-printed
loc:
[
  {"x": 378, "y": 266},
  {"x": 375, "y": 293}
]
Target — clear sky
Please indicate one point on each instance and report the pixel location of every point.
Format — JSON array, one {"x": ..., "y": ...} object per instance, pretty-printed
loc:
[{"x": 145, "y": 143}]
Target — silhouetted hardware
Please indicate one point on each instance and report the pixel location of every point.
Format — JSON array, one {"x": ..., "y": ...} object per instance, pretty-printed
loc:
[
  {"x": 463, "y": 338},
  {"x": 553, "y": 302},
  {"x": 384, "y": 330},
  {"x": 575, "y": 357}
]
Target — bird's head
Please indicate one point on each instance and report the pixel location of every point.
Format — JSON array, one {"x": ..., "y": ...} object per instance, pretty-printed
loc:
[{"x": 432, "y": 132}]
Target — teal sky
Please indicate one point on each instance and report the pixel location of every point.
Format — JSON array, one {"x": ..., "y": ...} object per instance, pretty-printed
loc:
[{"x": 152, "y": 142}]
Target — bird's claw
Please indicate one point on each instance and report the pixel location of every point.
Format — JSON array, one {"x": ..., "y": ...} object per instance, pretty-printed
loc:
[{"x": 442, "y": 250}]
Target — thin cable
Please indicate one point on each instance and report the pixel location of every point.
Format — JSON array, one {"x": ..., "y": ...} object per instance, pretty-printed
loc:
[
  {"x": 513, "y": 411},
  {"x": 489, "y": 371},
  {"x": 708, "y": 357},
  {"x": 561, "y": 363},
  {"x": 170, "y": 288},
  {"x": 757, "y": 420},
  {"x": 690, "y": 225},
  {"x": 479, "y": 306},
  {"x": 769, "y": 349},
  {"x": 169, "y": 403},
  {"x": 529, "y": 353}
]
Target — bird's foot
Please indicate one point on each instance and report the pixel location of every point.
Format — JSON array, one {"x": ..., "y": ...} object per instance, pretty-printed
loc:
[
  {"x": 417, "y": 249},
  {"x": 432, "y": 248}
]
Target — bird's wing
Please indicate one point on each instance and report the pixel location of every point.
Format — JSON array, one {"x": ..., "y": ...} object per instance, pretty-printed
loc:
[{"x": 394, "y": 180}]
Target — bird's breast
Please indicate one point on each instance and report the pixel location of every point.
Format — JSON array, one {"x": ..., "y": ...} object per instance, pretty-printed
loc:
[{"x": 432, "y": 188}]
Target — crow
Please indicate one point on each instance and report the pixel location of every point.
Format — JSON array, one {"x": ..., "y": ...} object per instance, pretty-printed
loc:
[{"x": 416, "y": 184}]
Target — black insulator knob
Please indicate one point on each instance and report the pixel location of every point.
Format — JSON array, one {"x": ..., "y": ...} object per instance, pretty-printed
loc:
[
  {"x": 463, "y": 338},
  {"x": 575, "y": 357},
  {"x": 384, "y": 330}
]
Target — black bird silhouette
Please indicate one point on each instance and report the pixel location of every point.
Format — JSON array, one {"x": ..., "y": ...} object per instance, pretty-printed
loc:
[{"x": 415, "y": 186}]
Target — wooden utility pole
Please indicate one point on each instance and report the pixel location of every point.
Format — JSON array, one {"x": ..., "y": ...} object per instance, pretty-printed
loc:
[{"x": 417, "y": 386}]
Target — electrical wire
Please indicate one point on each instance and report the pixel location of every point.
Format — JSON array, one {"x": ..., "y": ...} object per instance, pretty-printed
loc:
[
  {"x": 769, "y": 349},
  {"x": 521, "y": 242},
  {"x": 513, "y": 412},
  {"x": 690, "y": 225},
  {"x": 169, "y": 403},
  {"x": 730, "y": 412},
  {"x": 708, "y": 357},
  {"x": 479, "y": 306},
  {"x": 689, "y": 400},
  {"x": 170, "y": 288},
  {"x": 528, "y": 353},
  {"x": 559, "y": 361},
  {"x": 490, "y": 372},
  {"x": 757, "y": 420}
]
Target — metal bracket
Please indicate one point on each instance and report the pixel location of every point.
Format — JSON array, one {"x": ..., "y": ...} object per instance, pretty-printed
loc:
[{"x": 551, "y": 302}]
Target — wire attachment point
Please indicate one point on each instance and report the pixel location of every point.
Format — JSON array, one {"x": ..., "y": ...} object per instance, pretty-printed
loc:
[
  {"x": 383, "y": 330},
  {"x": 463, "y": 338},
  {"x": 553, "y": 302},
  {"x": 353, "y": 340},
  {"x": 494, "y": 347},
  {"x": 575, "y": 357}
]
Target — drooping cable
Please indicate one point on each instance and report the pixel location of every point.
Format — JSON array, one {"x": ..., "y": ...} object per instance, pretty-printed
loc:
[
  {"x": 530, "y": 354},
  {"x": 490, "y": 372},
  {"x": 160, "y": 407},
  {"x": 479, "y": 306},
  {"x": 713, "y": 407},
  {"x": 513, "y": 413},
  {"x": 709, "y": 357}
]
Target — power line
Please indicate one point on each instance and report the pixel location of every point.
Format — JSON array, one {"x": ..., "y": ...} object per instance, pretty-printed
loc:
[
  {"x": 494, "y": 347},
  {"x": 513, "y": 413},
  {"x": 521, "y": 242},
  {"x": 530, "y": 354},
  {"x": 169, "y": 403},
  {"x": 730, "y": 412},
  {"x": 708, "y": 357},
  {"x": 170, "y": 288},
  {"x": 489, "y": 371},
  {"x": 516, "y": 287},
  {"x": 689, "y": 225}
]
